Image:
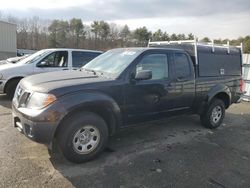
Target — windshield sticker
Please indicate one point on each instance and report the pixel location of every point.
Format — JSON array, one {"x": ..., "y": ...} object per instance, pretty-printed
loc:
[{"x": 128, "y": 53}]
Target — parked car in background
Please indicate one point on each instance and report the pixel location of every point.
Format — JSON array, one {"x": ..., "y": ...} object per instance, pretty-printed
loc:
[
  {"x": 46, "y": 60},
  {"x": 82, "y": 108}
]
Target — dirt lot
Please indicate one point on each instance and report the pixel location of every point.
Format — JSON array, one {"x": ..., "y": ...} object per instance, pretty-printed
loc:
[{"x": 176, "y": 152}]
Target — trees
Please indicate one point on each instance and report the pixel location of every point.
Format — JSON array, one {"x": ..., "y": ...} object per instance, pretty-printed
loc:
[
  {"x": 101, "y": 30},
  {"x": 173, "y": 37},
  {"x": 35, "y": 33},
  {"x": 190, "y": 36},
  {"x": 125, "y": 33},
  {"x": 158, "y": 35},
  {"x": 53, "y": 34},
  {"x": 181, "y": 37},
  {"x": 142, "y": 35},
  {"x": 62, "y": 32},
  {"x": 95, "y": 28},
  {"x": 77, "y": 32},
  {"x": 246, "y": 44},
  {"x": 205, "y": 39},
  {"x": 58, "y": 33},
  {"x": 114, "y": 32},
  {"x": 104, "y": 30}
]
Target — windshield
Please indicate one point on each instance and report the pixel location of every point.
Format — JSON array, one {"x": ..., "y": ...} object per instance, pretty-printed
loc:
[
  {"x": 114, "y": 61},
  {"x": 34, "y": 57}
]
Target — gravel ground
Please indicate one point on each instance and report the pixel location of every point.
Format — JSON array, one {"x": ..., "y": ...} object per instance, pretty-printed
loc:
[{"x": 175, "y": 152}]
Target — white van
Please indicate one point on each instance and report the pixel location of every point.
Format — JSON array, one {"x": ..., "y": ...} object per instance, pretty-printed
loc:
[{"x": 46, "y": 60}]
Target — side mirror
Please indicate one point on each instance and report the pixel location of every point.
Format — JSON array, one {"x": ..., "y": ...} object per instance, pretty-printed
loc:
[
  {"x": 42, "y": 64},
  {"x": 143, "y": 75}
]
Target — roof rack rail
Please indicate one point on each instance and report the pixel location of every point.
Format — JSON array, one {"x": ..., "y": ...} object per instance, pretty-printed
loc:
[{"x": 195, "y": 42}]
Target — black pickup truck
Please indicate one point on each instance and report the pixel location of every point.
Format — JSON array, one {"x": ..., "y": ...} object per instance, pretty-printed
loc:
[{"x": 82, "y": 108}]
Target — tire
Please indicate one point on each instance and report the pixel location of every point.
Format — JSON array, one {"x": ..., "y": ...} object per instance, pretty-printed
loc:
[
  {"x": 82, "y": 137},
  {"x": 11, "y": 88},
  {"x": 214, "y": 114}
]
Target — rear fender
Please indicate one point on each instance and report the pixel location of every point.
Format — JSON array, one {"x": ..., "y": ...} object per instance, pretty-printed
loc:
[{"x": 217, "y": 89}]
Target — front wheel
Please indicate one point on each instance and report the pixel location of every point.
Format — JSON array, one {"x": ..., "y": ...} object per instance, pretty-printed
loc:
[
  {"x": 82, "y": 137},
  {"x": 11, "y": 88},
  {"x": 214, "y": 114}
]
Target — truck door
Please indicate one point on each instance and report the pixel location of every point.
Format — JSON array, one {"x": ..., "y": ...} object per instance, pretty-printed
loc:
[
  {"x": 184, "y": 83},
  {"x": 147, "y": 98},
  {"x": 55, "y": 61}
]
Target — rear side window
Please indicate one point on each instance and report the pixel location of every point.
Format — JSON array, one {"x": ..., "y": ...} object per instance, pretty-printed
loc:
[
  {"x": 182, "y": 67},
  {"x": 81, "y": 58}
]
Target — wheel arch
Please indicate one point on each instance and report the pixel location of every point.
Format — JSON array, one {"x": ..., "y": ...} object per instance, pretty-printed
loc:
[
  {"x": 221, "y": 92},
  {"x": 11, "y": 79},
  {"x": 224, "y": 97},
  {"x": 107, "y": 109}
]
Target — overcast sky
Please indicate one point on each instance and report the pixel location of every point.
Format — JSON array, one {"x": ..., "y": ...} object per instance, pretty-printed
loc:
[{"x": 212, "y": 18}]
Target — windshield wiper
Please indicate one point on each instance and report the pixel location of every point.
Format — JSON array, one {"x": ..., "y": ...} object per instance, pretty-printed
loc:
[{"x": 90, "y": 70}]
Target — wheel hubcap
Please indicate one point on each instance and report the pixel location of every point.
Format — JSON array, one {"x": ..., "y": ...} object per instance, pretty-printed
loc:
[
  {"x": 86, "y": 139},
  {"x": 216, "y": 114}
]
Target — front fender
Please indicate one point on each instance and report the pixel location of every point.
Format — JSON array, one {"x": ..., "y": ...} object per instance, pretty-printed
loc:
[{"x": 84, "y": 100}]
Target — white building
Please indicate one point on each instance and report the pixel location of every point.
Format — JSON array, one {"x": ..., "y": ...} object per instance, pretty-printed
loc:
[
  {"x": 8, "y": 40},
  {"x": 246, "y": 76}
]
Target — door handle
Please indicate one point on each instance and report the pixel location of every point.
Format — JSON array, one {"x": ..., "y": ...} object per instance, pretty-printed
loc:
[
  {"x": 169, "y": 87},
  {"x": 156, "y": 98},
  {"x": 181, "y": 79},
  {"x": 65, "y": 69},
  {"x": 170, "y": 84}
]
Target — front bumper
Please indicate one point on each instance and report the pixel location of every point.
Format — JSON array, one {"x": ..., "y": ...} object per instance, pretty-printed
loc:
[{"x": 38, "y": 126}]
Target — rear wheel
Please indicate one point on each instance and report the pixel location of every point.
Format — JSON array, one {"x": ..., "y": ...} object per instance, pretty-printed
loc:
[
  {"x": 82, "y": 137},
  {"x": 11, "y": 88},
  {"x": 214, "y": 114}
]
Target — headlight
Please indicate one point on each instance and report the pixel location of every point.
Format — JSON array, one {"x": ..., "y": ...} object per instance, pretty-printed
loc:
[{"x": 40, "y": 100}]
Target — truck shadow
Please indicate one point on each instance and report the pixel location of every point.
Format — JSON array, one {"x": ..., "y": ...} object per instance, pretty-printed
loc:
[
  {"x": 126, "y": 146},
  {"x": 5, "y": 101},
  {"x": 140, "y": 143}
]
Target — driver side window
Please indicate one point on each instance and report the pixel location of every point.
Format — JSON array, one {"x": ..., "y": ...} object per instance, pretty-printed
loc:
[
  {"x": 55, "y": 59},
  {"x": 157, "y": 63}
]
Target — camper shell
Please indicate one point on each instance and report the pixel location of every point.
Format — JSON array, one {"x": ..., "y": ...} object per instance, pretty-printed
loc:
[{"x": 209, "y": 59}]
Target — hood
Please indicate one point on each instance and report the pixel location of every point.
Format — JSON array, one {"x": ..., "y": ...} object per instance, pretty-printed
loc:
[
  {"x": 9, "y": 70},
  {"x": 8, "y": 65},
  {"x": 3, "y": 62},
  {"x": 61, "y": 82}
]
